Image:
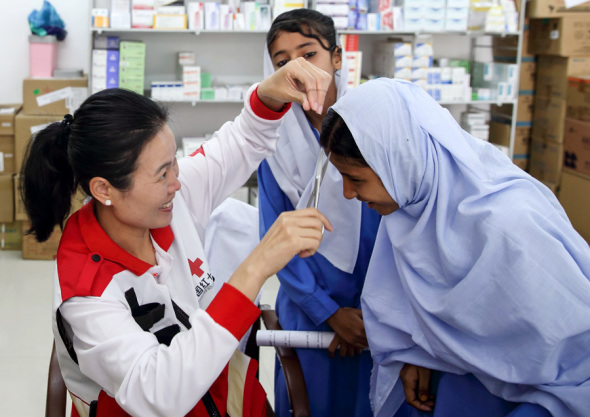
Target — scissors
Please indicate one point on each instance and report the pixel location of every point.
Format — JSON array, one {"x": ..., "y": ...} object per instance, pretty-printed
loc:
[{"x": 320, "y": 171}]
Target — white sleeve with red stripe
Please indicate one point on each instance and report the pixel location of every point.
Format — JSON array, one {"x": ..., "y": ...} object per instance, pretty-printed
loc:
[
  {"x": 145, "y": 377},
  {"x": 227, "y": 160}
]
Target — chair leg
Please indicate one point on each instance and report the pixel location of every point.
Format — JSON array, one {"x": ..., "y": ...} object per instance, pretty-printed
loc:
[{"x": 296, "y": 389}]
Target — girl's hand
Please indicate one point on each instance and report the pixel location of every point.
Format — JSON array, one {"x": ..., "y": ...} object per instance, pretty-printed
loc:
[
  {"x": 298, "y": 81},
  {"x": 416, "y": 382},
  {"x": 348, "y": 324}
]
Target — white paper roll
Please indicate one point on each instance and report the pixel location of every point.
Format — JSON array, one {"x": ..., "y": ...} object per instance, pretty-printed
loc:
[{"x": 294, "y": 339}]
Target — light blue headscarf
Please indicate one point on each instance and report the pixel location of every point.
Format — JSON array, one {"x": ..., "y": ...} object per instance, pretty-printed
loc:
[{"x": 479, "y": 271}]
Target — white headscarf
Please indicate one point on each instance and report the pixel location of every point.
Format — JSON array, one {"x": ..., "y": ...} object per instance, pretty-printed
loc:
[
  {"x": 231, "y": 235},
  {"x": 479, "y": 271},
  {"x": 293, "y": 166}
]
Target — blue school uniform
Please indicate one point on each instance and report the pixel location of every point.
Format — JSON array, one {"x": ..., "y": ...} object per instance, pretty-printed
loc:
[{"x": 311, "y": 290}]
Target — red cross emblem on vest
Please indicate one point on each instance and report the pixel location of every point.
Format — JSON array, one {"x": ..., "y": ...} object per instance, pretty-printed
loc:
[{"x": 195, "y": 267}]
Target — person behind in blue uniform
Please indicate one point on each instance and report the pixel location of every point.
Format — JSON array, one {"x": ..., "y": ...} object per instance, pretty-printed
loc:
[
  {"x": 478, "y": 290},
  {"x": 320, "y": 293}
]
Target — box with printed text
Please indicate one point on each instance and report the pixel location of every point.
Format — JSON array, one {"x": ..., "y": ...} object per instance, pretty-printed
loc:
[
  {"x": 7, "y": 158},
  {"x": 6, "y": 198},
  {"x": 53, "y": 96},
  {"x": 7, "y": 114},
  {"x": 25, "y": 126}
]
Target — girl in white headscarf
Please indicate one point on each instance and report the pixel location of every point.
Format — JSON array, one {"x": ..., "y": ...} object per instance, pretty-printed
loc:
[
  {"x": 322, "y": 292},
  {"x": 477, "y": 272}
]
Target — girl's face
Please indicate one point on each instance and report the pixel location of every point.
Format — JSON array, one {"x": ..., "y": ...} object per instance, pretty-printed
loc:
[
  {"x": 148, "y": 204},
  {"x": 363, "y": 184},
  {"x": 288, "y": 46}
]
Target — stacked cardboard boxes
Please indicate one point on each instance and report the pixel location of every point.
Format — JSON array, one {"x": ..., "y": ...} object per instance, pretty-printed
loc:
[
  {"x": 574, "y": 195},
  {"x": 561, "y": 41},
  {"x": 8, "y": 113},
  {"x": 505, "y": 50},
  {"x": 574, "y": 192},
  {"x": 553, "y": 8},
  {"x": 45, "y": 100},
  {"x": 560, "y": 154}
]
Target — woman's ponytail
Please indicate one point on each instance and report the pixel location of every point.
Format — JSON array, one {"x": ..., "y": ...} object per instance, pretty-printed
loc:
[{"x": 47, "y": 179}]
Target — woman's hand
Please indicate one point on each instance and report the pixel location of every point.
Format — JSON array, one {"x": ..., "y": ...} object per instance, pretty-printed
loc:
[
  {"x": 416, "y": 382},
  {"x": 294, "y": 232},
  {"x": 298, "y": 81},
  {"x": 348, "y": 324}
]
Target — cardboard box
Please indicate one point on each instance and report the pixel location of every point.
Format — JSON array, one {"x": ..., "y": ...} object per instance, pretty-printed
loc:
[
  {"x": 7, "y": 159},
  {"x": 565, "y": 36},
  {"x": 578, "y": 98},
  {"x": 574, "y": 195},
  {"x": 6, "y": 199},
  {"x": 553, "y": 73},
  {"x": 27, "y": 125},
  {"x": 53, "y": 96},
  {"x": 19, "y": 208},
  {"x": 12, "y": 236},
  {"x": 546, "y": 160},
  {"x": 522, "y": 163},
  {"x": 35, "y": 250},
  {"x": 528, "y": 74},
  {"x": 549, "y": 119},
  {"x": 553, "y": 8},
  {"x": 7, "y": 114},
  {"x": 576, "y": 146},
  {"x": 500, "y": 134}
]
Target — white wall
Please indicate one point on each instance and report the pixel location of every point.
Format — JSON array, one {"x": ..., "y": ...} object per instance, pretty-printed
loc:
[{"x": 73, "y": 52}]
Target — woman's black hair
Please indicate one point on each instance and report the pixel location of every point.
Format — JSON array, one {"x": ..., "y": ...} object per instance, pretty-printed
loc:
[
  {"x": 337, "y": 139},
  {"x": 307, "y": 22},
  {"x": 103, "y": 139}
]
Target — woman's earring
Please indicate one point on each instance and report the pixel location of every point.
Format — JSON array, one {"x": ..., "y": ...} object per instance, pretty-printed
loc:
[{"x": 107, "y": 202}]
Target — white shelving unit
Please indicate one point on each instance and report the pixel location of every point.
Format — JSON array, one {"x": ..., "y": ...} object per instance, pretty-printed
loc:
[
  {"x": 235, "y": 57},
  {"x": 232, "y": 57}
]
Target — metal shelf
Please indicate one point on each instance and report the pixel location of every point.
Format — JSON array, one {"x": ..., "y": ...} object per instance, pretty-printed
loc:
[
  {"x": 342, "y": 31},
  {"x": 249, "y": 37},
  {"x": 186, "y": 31},
  {"x": 195, "y": 102},
  {"x": 424, "y": 32},
  {"x": 442, "y": 103},
  {"x": 471, "y": 102}
]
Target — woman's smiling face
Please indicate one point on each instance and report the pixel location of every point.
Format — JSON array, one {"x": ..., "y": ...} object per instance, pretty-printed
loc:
[{"x": 148, "y": 203}]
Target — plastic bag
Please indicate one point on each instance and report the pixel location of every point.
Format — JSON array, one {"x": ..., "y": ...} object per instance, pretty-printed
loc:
[{"x": 47, "y": 22}]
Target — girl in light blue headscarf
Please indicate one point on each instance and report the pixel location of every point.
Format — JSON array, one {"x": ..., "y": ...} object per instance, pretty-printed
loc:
[{"x": 477, "y": 273}]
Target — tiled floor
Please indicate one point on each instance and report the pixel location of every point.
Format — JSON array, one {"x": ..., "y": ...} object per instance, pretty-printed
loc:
[{"x": 26, "y": 337}]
